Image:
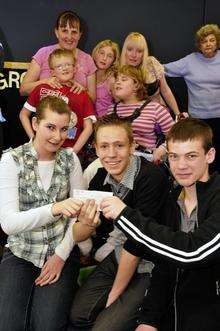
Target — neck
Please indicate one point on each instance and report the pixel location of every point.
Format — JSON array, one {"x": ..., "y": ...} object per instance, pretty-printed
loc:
[
  {"x": 132, "y": 99},
  {"x": 41, "y": 154},
  {"x": 190, "y": 192},
  {"x": 100, "y": 75}
]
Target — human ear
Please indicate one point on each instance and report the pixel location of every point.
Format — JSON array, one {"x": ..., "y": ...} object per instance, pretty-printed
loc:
[
  {"x": 34, "y": 123},
  {"x": 210, "y": 155}
]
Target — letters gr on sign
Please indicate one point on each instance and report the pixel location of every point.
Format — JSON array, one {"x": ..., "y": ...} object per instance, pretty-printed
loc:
[{"x": 12, "y": 75}]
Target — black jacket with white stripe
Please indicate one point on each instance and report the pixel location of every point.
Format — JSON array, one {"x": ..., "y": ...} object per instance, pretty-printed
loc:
[{"x": 192, "y": 280}]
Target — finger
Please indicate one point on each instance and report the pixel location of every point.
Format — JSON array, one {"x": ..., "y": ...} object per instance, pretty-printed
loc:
[
  {"x": 97, "y": 219},
  {"x": 55, "y": 279},
  {"x": 46, "y": 281},
  {"x": 40, "y": 279}
]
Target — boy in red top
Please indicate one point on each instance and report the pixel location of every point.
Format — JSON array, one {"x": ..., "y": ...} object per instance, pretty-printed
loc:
[{"x": 62, "y": 63}]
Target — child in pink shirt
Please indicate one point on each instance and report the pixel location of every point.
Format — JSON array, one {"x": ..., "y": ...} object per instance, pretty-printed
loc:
[{"x": 106, "y": 57}]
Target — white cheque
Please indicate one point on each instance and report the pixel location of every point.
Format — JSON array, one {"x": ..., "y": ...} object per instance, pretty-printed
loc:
[{"x": 98, "y": 196}]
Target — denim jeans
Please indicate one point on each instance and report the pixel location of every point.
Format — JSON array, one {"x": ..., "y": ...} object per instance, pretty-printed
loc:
[
  {"x": 88, "y": 310},
  {"x": 24, "y": 306}
]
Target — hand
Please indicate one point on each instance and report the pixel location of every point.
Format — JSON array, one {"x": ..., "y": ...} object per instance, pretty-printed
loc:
[
  {"x": 77, "y": 88},
  {"x": 145, "y": 327},
  {"x": 112, "y": 297},
  {"x": 89, "y": 215},
  {"x": 53, "y": 82},
  {"x": 51, "y": 271},
  {"x": 158, "y": 154},
  {"x": 181, "y": 116},
  {"x": 112, "y": 207},
  {"x": 69, "y": 207}
]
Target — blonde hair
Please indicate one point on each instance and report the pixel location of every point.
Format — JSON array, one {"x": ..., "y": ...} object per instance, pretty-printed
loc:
[
  {"x": 206, "y": 30},
  {"x": 58, "y": 53},
  {"x": 115, "y": 48},
  {"x": 142, "y": 44},
  {"x": 137, "y": 76}
]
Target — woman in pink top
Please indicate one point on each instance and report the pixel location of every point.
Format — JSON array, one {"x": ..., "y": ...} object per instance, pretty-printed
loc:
[
  {"x": 144, "y": 114},
  {"x": 68, "y": 31},
  {"x": 106, "y": 56}
]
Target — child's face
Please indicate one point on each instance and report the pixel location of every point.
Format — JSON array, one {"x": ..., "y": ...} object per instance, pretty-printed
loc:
[
  {"x": 125, "y": 87},
  {"x": 104, "y": 57},
  {"x": 63, "y": 68}
]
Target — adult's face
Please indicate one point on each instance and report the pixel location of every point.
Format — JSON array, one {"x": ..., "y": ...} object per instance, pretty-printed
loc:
[
  {"x": 51, "y": 131},
  {"x": 133, "y": 54},
  {"x": 208, "y": 46},
  {"x": 68, "y": 36},
  {"x": 188, "y": 161},
  {"x": 114, "y": 150}
]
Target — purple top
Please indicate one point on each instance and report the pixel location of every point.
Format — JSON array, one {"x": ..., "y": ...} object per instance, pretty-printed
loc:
[{"x": 103, "y": 98}]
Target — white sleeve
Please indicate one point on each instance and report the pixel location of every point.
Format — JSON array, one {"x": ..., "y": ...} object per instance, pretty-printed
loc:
[
  {"x": 12, "y": 219},
  {"x": 76, "y": 182}
]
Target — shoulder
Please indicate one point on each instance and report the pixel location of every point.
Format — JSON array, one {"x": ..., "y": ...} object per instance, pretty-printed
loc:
[
  {"x": 83, "y": 55},
  {"x": 45, "y": 51},
  {"x": 150, "y": 173},
  {"x": 96, "y": 182}
]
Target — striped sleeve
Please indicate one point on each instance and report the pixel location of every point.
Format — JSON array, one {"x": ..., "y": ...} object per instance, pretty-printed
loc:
[{"x": 184, "y": 249}]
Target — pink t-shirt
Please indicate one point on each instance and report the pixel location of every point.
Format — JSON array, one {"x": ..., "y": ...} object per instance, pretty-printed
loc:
[
  {"x": 85, "y": 65},
  {"x": 103, "y": 99},
  {"x": 144, "y": 125}
]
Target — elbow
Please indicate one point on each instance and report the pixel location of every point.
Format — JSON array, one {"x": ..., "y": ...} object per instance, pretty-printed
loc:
[{"x": 6, "y": 229}]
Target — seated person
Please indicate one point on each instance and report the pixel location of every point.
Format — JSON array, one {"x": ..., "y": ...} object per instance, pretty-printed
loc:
[
  {"x": 61, "y": 64},
  {"x": 39, "y": 269},
  {"x": 143, "y": 113},
  {"x": 116, "y": 288},
  {"x": 188, "y": 279}
]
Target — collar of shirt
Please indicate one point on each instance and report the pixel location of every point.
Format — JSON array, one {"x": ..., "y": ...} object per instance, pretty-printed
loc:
[{"x": 129, "y": 176}]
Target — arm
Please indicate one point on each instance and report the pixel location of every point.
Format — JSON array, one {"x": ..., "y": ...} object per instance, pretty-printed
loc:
[
  {"x": 91, "y": 86},
  {"x": 84, "y": 136},
  {"x": 12, "y": 219},
  {"x": 31, "y": 79},
  {"x": 24, "y": 116},
  {"x": 168, "y": 95},
  {"x": 176, "y": 68},
  {"x": 126, "y": 269},
  {"x": 184, "y": 249}
]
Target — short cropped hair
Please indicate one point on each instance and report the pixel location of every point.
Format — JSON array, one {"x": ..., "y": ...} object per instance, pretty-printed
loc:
[
  {"x": 113, "y": 120},
  {"x": 206, "y": 30},
  {"x": 68, "y": 17},
  {"x": 58, "y": 53},
  {"x": 137, "y": 75},
  {"x": 53, "y": 103},
  {"x": 191, "y": 129}
]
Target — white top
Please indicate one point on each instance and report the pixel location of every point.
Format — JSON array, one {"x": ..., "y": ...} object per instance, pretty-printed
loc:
[{"x": 14, "y": 221}]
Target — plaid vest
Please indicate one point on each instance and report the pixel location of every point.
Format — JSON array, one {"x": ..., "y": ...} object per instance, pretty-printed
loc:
[{"x": 37, "y": 244}]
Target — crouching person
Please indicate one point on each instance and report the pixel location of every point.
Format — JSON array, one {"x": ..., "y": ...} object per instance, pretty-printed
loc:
[
  {"x": 113, "y": 292},
  {"x": 187, "y": 279},
  {"x": 40, "y": 264}
]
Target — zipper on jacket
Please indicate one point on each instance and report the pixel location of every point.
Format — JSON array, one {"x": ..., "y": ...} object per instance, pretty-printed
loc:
[
  {"x": 174, "y": 300},
  {"x": 217, "y": 287}
]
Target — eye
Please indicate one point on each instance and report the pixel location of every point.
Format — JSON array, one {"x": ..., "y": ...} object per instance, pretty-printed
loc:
[
  {"x": 64, "y": 130},
  {"x": 191, "y": 156},
  {"x": 50, "y": 127},
  {"x": 172, "y": 157}
]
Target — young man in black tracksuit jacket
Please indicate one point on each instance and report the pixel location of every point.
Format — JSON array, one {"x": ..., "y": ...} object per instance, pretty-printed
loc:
[{"x": 188, "y": 276}]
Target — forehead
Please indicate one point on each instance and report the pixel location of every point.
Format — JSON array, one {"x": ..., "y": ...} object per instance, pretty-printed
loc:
[
  {"x": 135, "y": 43},
  {"x": 62, "y": 58},
  {"x": 111, "y": 134},
  {"x": 106, "y": 49},
  {"x": 184, "y": 147},
  {"x": 55, "y": 118},
  {"x": 210, "y": 36}
]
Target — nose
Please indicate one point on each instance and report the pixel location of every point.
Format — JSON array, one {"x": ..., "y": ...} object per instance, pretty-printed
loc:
[
  {"x": 182, "y": 163},
  {"x": 57, "y": 135},
  {"x": 133, "y": 53},
  {"x": 111, "y": 151}
]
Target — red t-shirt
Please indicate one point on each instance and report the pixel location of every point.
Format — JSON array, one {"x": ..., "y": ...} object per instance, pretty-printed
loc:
[{"x": 80, "y": 104}]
